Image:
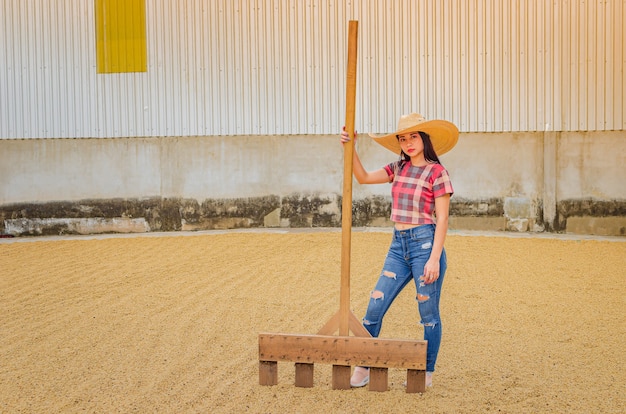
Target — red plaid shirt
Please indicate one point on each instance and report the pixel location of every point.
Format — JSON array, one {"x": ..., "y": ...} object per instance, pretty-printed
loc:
[{"x": 414, "y": 190}]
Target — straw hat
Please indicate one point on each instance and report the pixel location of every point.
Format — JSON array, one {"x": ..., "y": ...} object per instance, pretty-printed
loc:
[{"x": 443, "y": 134}]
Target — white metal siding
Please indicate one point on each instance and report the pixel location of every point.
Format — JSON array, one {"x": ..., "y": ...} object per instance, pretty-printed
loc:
[{"x": 264, "y": 67}]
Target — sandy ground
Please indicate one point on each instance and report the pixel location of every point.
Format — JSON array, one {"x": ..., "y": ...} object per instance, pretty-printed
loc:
[{"x": 171, "y": 323}]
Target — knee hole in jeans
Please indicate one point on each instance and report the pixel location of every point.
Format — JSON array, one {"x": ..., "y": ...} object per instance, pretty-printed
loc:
[
  {"x": 422, "y": 298},
  {"x": 377, "y": 294},
  {"x": 387, "y": 273}
]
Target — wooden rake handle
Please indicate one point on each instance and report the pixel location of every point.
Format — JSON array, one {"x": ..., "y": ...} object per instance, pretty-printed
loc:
[{"x": 346, "y": 211}]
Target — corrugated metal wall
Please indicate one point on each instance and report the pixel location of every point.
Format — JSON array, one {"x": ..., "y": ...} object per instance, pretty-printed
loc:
[{"x": 240, "y": 67}]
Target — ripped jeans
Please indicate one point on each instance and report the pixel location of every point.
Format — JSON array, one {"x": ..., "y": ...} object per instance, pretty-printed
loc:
[{"x": 407, "y": 256}]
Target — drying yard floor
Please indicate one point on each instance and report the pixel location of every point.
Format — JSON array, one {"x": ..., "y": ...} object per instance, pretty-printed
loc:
[{"x": 169, "y": 323}]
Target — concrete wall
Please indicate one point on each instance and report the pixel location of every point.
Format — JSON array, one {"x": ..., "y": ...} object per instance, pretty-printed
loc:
[{"x": 564, "y": 182}]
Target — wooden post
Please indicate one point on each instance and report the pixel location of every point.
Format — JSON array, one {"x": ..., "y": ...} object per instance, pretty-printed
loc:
[
  {"x": 379, "y": 378},
  {"x": 341, "y": 377},
  {"x": 268, "y": 372},
  {"x": 346, "y": 209},
  {"x": 304, "y": 375},
  {"x": 344, "y": 320},
  {"x": 415, "y": 380}
]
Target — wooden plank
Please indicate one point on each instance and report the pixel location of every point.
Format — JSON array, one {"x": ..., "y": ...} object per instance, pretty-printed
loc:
[
  {"x": 268, "y": 373},
  {"x": 415, "y": 381},
  {"x": 331, "y": 326},
  {"x": 346, "y": 209},
  {"x": 341, "y": 377},
  {"x": 304, "y": 375},
  {"x": 343, "y": 350},
  {"x": 355, "y": 325},
  {"x": 379, "y": 378}
]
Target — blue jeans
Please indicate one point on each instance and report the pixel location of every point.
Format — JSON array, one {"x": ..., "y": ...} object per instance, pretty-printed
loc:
[{"x": 407, "y": 256}]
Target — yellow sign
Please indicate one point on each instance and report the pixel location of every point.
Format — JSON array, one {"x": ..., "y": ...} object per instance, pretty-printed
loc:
[{"x": 121, "y": 36}]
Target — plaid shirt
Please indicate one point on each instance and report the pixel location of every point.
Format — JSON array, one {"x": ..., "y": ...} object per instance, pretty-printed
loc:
[{"x": 414, "y": 190}]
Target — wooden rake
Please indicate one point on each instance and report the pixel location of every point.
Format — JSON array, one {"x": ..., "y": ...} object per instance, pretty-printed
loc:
[{"x": 344, "y": 350}]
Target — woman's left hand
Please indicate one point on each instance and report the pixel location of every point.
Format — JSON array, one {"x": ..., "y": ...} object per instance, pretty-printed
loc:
[{"x": 431, "y": 271}]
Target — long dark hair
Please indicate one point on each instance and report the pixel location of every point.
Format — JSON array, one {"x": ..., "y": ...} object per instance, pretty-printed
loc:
[{"x": 429, "y": 152}]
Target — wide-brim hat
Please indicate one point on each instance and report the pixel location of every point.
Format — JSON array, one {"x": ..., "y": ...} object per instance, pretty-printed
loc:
[{"x": 443, "y": 134}]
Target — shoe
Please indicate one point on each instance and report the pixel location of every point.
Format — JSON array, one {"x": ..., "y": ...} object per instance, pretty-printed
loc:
[{"x": 360, "y": 377}]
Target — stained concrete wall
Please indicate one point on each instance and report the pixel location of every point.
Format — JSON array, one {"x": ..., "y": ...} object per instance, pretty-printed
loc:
[{"x": 564, "y": 182}]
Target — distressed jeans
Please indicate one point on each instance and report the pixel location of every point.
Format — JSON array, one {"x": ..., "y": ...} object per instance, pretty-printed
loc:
[{"x": 407, "y": 256}]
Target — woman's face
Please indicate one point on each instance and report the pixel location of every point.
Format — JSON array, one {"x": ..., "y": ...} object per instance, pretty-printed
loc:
[{"x": 411, "y": 144}]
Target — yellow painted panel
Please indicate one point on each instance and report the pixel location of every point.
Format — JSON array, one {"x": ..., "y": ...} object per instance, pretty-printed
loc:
[{"x": 121, "y": 36}]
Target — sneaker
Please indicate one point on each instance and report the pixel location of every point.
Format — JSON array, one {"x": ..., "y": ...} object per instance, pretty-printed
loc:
[{"x": 360, "y": 377}]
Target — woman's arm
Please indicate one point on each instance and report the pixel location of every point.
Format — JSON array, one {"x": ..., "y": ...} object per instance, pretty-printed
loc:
[
  {"x": 442, "y": 211},
  {"x": 360, "y": 173}
]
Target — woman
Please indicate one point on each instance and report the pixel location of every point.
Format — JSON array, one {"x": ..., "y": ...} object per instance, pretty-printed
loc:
[{"x": 421, "y": 191}]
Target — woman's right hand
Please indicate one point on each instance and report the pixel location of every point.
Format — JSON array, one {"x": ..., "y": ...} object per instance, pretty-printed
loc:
[{"x": 345, "y": 137}]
